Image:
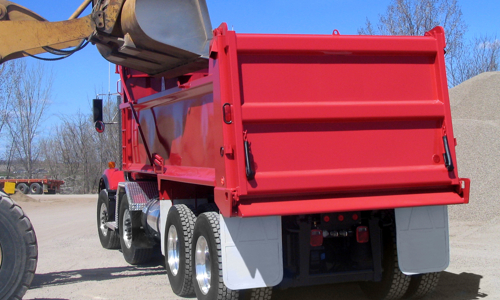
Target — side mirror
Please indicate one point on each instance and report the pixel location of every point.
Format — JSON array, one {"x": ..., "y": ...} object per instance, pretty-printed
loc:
[
  {"x": 97, "y": 109},
  {"x": 97, "y": 112},
  {"x": 99, "y": 126}
]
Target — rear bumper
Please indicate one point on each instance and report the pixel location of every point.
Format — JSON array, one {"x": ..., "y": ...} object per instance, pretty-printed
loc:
[{"x": 263, "y": 207}]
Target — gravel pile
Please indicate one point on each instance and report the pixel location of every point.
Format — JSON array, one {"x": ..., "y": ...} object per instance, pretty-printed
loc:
[
  {"x": 20, "y": 197},
  {"x": 475, "y": 108}
]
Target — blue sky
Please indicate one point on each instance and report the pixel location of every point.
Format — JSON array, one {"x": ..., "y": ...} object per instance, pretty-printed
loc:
[{"x": 78, "y": 78}]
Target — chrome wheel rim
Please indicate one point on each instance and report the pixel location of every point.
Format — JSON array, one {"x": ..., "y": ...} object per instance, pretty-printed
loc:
[
  {"x": 103, "y": 217},
  {"x": 127, "y": 228},
  {"x": 173, "y": 248},
  {"x": 202, "y": 261}
]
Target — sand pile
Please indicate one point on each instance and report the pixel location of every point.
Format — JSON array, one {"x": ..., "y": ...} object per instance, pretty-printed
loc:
[
  {"x": 475, "y": 108},
  {"x": 20, "y": 197}
]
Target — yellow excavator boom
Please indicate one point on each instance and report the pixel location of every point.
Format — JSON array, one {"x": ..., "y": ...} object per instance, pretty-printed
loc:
[
  {"x": 165, "y": 38},
  {"x": 24, "y": 33}
]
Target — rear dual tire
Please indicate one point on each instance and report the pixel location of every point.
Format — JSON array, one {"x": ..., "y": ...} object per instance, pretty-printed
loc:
[
  {"x": 179, "y": 229},
  {"x": 193, "y": 256},
  {"x": 422, "y": 285},
  {"x": 395, "y": 284},
  {"x": 207, "y": 260},
  {"x": 135, "y": 246}
]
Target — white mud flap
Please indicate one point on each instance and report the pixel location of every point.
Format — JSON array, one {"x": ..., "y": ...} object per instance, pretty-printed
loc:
[
  {"x": 422, "y": 239},
  {"x": 252, "y": 255}
]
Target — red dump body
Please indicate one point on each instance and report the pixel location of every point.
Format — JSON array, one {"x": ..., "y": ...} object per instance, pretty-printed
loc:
[{"x": 331, "y": 123}]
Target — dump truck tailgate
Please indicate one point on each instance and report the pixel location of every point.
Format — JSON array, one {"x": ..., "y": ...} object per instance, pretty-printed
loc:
[{"x": 338, "y": 120}]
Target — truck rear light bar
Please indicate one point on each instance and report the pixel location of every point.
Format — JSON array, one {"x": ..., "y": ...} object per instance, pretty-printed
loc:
[
  {"x": 316, "y": 238},
  {"x": 362, "y": 234}
]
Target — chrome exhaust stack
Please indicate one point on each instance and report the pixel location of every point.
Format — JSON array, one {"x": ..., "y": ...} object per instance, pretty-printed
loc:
[{"x": 151, "y": 219}]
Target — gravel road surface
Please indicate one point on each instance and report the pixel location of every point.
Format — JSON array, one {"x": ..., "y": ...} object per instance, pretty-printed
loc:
[{"x": 72, "y": 264}]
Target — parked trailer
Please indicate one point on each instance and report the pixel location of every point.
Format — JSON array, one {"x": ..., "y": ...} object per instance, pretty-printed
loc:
[
  {"x": 35, "y": 186},
  {"x": 291, "y": 160}
]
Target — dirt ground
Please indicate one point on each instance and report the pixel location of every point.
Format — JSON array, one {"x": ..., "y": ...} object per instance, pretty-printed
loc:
[{"x": 73, "y": 265}]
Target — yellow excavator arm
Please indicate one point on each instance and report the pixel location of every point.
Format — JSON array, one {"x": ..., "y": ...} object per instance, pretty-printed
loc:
[
  {"x": 167, "y": 38},
  {"x": 24, "y": 33}
]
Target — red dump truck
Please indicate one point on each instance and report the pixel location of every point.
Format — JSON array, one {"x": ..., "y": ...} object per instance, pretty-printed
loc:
[
  {"x": 258, "y": 161},
  {"x": 285, "y": 161}
]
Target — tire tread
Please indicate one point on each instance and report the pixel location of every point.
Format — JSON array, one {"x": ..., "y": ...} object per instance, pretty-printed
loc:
[
  {"x": 187, "y": 220},
  {"x": 224, "y": 293},
  {"x": 422, "y": 285},
  {"x": 112, "y": 240},
  {"x": 23, "y": 223},
  {"x": 261, "y": 294},
  {"x": 397, "y": 284}
]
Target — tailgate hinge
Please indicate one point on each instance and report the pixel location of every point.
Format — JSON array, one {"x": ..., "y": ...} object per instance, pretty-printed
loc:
[
  {"x": 248, "y": 163},
  {"x": 448, "y": 161}
]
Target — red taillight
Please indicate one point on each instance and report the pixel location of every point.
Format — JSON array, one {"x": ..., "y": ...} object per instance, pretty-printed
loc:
[
  {"x": 228, "y": 114},
  {"x": 362, "y": 234},
  {"x": 316, "y": 238}
]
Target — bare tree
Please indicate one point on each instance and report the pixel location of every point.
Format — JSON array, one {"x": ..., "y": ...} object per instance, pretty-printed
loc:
[
  {"x": 78, "y": 154},
  {"x": 481, "y": 54},
  {"x": 415, "y": 17},
  {"x": 6, "y": 87},
  {"x": 29, "y": 98}
]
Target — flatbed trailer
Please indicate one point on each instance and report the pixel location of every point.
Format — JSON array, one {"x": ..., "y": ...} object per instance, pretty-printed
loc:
[
  {"x": 36, "y": 185},
  {"x": 292, "y": 160}
]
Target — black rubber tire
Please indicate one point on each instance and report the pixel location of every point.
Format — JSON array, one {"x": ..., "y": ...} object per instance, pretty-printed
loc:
[
  {"x": 19, "y": 250},
  {"x": 36, "y": 189},
  {"x": 207, "y": 225},
  {"x": 207, "y": 207},
  {"x": 109, "y": 239},
  {"x": 422, "y": 285},
  {"x": 394, "y": 283},
  {"x": 139, "y": 251},
  {"x": 23, "y": 187},
  {"x": 256, "y": 294},
  {"x": 182, "y": 219}
]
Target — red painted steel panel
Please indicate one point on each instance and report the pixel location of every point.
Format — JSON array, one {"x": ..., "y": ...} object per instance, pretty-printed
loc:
[
  {"x": 193, "y": 175},
  {"x": 369, "y": 116},
  {"x": 349, "y": 179},
  {"x": 314, "y": 206},
  {"x": 261, "y": 112},
  {"x": 114, "y": 176},
  {"x": 336, "y": 44}
]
